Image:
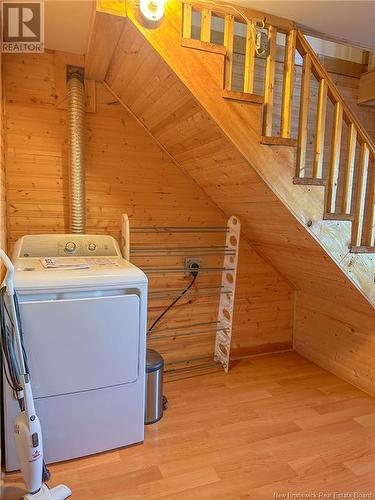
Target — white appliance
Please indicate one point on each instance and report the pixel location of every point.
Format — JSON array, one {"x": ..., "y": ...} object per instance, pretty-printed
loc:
[{"x": 83, "y": 311}]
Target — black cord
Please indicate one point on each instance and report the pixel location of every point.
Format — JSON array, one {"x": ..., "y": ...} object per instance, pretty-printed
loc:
[{"x": 195, "y": 274}]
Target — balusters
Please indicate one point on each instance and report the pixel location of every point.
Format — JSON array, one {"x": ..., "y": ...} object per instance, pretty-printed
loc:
[
  {"x": 334, "y": 159},
  {"x": 303, "y": 117},
  {"x": 371, "y": 235},
  {"x": 187, "y": 21},
  {"x": 248, "y": 85},
  {"x": 349, "y": 169},
  {"x": 206, "y": 25},
  {"x": 320, "y": 130},
  {"x": 269, "y": 82},
  {"x": 228, "y": 43},
  {"x": 361, "y": 196},
  {"x": 287, "y": 98}
]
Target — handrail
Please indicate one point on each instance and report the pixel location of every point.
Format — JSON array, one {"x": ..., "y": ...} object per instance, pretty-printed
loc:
[
  {"x": 365, "y": 191},
  {"x": 320, "y": 72},
  {"x": 357, "y": 203}
]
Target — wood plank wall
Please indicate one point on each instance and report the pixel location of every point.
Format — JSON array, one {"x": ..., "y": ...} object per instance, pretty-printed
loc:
[
  {"x": 2, "y": 165},
  {"x": 337, "y": 335},
  {"x": 127, "y": 172},
  {"x": 258, "y": 185}
]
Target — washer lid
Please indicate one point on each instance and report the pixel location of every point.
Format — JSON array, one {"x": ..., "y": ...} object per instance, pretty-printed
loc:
[{"x": 31, "y": 275}]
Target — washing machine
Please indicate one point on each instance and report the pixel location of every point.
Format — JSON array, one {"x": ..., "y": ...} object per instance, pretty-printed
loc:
[{"x": 83, "y": 312}]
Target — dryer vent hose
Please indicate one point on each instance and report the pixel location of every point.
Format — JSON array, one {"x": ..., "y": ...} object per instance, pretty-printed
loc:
[{"x": 76, "y": 113}]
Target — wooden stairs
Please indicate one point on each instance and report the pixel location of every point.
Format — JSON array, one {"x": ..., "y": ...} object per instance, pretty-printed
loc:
[{"x": 311, "y": 215}]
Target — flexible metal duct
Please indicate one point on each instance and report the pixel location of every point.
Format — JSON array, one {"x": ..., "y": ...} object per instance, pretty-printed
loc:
[{"x": 76, "y": 113}]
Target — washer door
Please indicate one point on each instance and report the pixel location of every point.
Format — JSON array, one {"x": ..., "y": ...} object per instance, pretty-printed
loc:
[{"x": 81, "y": 344}]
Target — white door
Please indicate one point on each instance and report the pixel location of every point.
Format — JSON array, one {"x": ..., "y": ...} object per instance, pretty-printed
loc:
[{"x": 81, "y": 344}]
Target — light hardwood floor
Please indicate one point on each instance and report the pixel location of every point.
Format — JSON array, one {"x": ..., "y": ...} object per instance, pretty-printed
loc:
[{"x": 274, "y": 424}]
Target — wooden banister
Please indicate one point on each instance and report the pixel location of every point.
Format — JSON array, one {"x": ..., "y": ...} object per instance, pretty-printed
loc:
[
  {"x": 187, "y": 20},
  {"x": 361, "y": 196},
  {"x": 269, "y": 84},
  {"x": 248, "y": 85},
  {"x": 357, "y": 203},
  {"x": 334, "y": 163},
  {"x": 229, "y": 44},
  {"x": 349, "y": 169},
  {"x": 320, "y": 130},
  {"x": 206, "y": 25},
  {"x": 320, "y": 73},
  {"x": 363, "y": 229},
  {"x": 303, "y": 116},
  {"x": 287, "y": 97}
]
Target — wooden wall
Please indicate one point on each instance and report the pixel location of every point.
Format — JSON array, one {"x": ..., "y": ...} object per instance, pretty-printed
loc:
[
  {"x": 128, "y": 172},
  {"x": 337, "y": 335},
  {"x": 217, "y": 141},
  {"x": 2, "y": 166}
]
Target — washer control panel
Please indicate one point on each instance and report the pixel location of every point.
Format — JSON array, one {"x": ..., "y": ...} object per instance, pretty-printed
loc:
[{"x": 66, "y": 245}]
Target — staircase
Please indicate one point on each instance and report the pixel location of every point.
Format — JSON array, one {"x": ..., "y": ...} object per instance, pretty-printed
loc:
[
  {"x": 356, "y": 201},
  {"x": 302, "y": 188}
]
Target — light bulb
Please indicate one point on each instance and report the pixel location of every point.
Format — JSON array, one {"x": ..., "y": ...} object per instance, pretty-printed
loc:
[{"x": 152, "y": 10}]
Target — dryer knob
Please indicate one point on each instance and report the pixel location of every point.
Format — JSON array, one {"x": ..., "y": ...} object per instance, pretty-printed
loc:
[
  {"x": 92, "y": 247},
  {"x": 70, "y": 247}
]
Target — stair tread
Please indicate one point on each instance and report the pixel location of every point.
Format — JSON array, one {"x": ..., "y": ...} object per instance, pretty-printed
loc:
[
  {"x": 242, "y": 96},
  {"x": 192, "y": 43},
  {"x": 363, "y": 249},
  {"x": 278, "y": 141},
  {"x": 349, "y": 217},
  {"x": 309, "y": 181}
]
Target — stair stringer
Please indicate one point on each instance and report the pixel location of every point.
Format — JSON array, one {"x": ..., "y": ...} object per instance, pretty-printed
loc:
[{"x": 202, "y": 74}]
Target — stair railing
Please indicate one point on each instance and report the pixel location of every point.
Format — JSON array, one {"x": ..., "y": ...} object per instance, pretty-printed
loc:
[
  {"x": 361, "y": 195},
  {"x": 358, "y": 193}
]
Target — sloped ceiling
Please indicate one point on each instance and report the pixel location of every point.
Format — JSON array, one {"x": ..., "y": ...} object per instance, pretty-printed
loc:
[
  {"x": 67, "y": 21},
  {"x": 353, "y": 21}
]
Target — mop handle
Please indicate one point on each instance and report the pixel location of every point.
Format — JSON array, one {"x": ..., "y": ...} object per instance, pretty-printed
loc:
[
  {"x": 8, "y": 280},
  {"x": 9, "y": 284}
]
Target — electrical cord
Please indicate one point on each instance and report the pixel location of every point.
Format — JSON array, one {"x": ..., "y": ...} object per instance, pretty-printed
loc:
[{"x": 194, "y": 274}]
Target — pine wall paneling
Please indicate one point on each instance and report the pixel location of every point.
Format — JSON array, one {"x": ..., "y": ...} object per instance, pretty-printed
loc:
[{"x": 127, "y": 171}]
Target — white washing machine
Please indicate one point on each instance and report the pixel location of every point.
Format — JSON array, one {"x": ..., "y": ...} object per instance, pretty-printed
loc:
[{"x": 83, "y": 311}]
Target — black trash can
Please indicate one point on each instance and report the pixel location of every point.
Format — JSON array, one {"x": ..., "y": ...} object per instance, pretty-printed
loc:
[{"x": 154, "y": 403}]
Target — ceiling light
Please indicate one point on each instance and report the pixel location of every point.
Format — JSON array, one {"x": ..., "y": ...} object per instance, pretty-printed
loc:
[{"x": 152, "y": 10}]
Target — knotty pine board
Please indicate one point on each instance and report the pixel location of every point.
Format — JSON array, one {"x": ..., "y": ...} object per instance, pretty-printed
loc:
[
  {"x": 2, "y": 169},
  {"x": 217, "y": 142},
  {"x": 127, "y": 171}
]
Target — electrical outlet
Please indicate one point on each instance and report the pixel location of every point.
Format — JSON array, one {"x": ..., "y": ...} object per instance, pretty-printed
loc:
[{"x": 192, "y": 263}]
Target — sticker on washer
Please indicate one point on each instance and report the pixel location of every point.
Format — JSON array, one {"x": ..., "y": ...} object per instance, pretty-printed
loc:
[
  {"x": 104, "y": 261},
  {"x": 63, "y": 263}
]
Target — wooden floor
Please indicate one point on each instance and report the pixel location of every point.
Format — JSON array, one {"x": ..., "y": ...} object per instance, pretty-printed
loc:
[{"x": 274, "y": 424}]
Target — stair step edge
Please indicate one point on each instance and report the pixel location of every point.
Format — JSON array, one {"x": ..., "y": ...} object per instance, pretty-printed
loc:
[
  {"x": 242, "y": 96},
  {"x": 362, "y": 249},
  {"x": 278, "y": 141},
  {"x": 309, "y": 181},
  {"x": 338, "y": 217},
  {"x": 192, "y": 43}
]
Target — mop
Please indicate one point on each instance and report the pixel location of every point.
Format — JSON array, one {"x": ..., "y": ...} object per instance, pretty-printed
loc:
[{"x": 27, "y": 428}]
